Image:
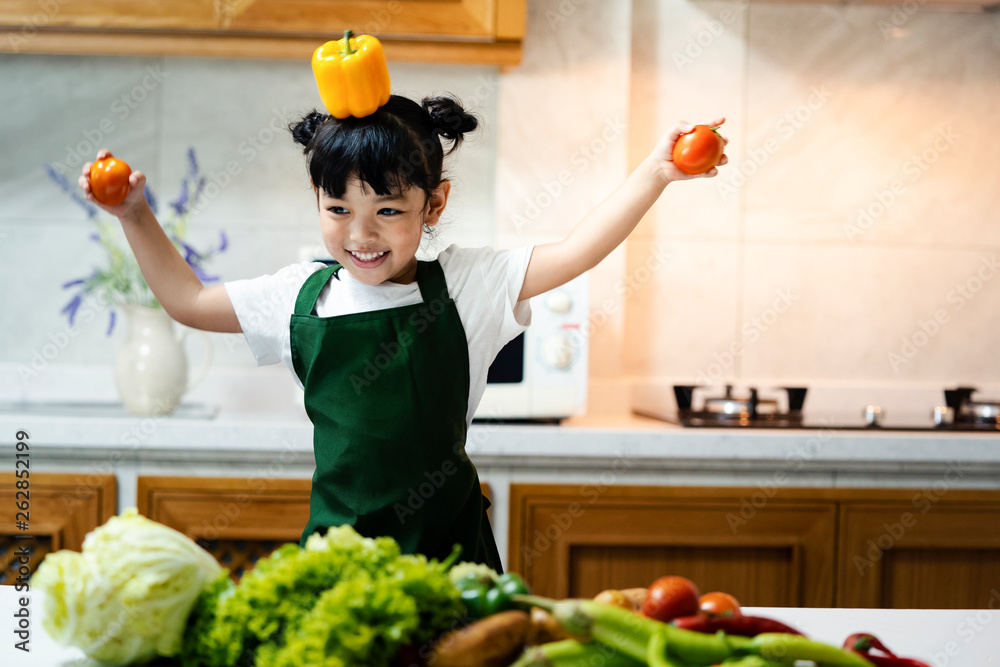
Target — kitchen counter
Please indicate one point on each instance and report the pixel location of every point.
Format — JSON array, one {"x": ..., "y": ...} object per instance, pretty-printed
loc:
[{"x": 599, "y": 451}]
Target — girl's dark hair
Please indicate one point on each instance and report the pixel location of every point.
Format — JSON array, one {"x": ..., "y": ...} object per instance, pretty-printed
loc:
[{"x": 397, "y": 147}]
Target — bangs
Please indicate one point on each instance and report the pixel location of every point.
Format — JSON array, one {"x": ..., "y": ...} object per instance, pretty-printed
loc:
[{"x": 379, "y": 151}]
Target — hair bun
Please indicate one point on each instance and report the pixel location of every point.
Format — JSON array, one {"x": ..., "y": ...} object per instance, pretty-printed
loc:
[
  {"x": 304, "y": 130},
  {"x": 449, "y": 119}
]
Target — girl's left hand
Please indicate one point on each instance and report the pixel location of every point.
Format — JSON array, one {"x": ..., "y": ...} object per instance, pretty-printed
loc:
[{"x": 663, "y": 154}]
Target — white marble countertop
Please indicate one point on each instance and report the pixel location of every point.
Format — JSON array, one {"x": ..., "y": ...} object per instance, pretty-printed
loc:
[{"x": 580, "y": 442}]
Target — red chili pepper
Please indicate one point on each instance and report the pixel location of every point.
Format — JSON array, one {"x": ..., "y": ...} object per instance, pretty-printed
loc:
[
  {"x": 744, "y": 626},
  {"x": 862, "y": 643}
]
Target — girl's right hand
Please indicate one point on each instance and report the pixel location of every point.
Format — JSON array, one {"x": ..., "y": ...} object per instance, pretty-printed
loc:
[{"x": 135, "y": 198}]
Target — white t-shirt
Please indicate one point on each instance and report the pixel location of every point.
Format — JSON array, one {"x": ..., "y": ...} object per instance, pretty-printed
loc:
[{"x": 484, "y": 283}]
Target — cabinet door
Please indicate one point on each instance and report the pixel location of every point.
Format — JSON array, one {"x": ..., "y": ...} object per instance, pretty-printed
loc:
[
  {"x": 920, "y": 549},
  {"x": 454, "y": 31},
  {"x": 573, "y": 541},
  {"x": 237, "y": 520},
  {"x": 62, "y": 510}
]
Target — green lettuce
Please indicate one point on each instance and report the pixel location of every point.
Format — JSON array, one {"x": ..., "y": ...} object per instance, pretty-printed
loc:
[
  {"x": 341, "y": 600},
  {"x": 126, "y": 598}
]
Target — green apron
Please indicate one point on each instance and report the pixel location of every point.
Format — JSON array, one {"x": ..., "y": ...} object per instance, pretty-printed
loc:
[{"x": 388, "y": 392}]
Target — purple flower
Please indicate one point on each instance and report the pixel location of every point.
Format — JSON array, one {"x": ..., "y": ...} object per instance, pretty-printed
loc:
[
  {"x": 151, "y": 198},
  {"x": 71, "y": 307},
  {"x": 71, "y": 283},
  {"x": 180, "y": 204},
  {"x": 72, "y": 191},
  {"x": 223, "y": 241},
  {"x": 111, "y": 323}
]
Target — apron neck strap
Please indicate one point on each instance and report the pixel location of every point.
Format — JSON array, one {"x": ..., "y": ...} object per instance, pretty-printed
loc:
[
  {"x": 430, "y": 280},
  {"x": 306, "y": 301}
]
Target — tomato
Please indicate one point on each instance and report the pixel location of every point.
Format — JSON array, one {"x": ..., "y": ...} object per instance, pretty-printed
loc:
[
  {"x": 699, "y": 150},
  {"x": 109, "y": 181},
  {"x": 719, "y": 604},
  {"x": 670, "y": 598}
]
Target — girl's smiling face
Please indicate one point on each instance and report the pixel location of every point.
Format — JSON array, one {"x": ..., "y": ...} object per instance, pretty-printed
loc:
[{"x": 375, "y": 237}]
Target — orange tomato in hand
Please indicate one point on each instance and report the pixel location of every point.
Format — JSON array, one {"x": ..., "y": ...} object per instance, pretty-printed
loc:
[
  {"x": 719, "y": 604},
  {"x": 669, "y": 598},
  {"x": 698, "y": 150},
  {"x": 109, "y": 181}
]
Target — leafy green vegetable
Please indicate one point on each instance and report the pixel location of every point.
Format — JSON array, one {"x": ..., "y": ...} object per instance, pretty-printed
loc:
[
  {"x": 126, "y": 598},
  {"x": 343, "y": 599}
]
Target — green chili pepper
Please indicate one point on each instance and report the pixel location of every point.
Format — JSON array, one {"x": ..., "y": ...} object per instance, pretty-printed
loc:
[
  {"x": 571, "y": 653},
  {"x": 632, "y": 633},
  {"x": 788, "y": 648}
]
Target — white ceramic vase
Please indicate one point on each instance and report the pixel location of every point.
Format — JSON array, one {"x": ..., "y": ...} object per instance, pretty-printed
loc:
[{"x": 151, "y": 368}]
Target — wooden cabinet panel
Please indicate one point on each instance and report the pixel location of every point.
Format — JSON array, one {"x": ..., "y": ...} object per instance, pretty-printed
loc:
[
  {"x": 117, "y": 14},
  {"x": 63, "y": 509},
  {"x": 566, "y": 544},
  {"x": 453, "y": 31},
  {"x": 237, "y": 520},
  {"x": 467, "y": 19},
  {"x": 917, "y": 554}
]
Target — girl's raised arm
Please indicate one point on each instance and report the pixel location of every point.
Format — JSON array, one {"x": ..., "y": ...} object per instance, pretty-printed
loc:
[
  {"x": 604, "y": 228},
  {"x": 170, "y": 278}
]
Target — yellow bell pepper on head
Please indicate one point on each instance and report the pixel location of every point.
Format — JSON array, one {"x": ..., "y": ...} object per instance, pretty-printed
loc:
[{"x": 353, "y": 78}]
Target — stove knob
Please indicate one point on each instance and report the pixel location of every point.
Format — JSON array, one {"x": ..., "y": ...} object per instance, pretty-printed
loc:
[
  {"x": 559, "y": 302},
  {"x": 556, "y": 351},
  {"x": 873, "y": 414}
]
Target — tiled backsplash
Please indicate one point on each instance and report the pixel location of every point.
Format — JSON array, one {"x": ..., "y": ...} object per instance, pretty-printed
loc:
[{"x": 853, "y": 238}]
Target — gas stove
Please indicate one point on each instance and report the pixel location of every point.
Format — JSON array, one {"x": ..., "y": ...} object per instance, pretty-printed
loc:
[{"x": 785, "y": 408}]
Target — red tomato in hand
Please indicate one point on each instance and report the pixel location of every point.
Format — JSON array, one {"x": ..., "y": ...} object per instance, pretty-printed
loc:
[
  {"x": 719, "y": 604},
  {"x": 670, "y": 598},
  {"x": 109, "y": 181},
  {"x": 699, "y": 150}
]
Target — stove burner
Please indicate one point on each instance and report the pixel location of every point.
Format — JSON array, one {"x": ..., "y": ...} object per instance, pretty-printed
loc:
[
  {"x": 963, "y": 410},
  {"x": 731, "y": 410}
]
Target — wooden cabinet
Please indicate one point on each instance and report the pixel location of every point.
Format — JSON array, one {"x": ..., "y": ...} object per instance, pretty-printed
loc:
[
  {"x": 237, "y": 520},
  {"x": 796, "y": 547},
  {"x": 459, "y": 31},
  {"x": 929, "y": 548},
  {"x": 63, "y": 509},
  {"x": 577, "y": 541}
]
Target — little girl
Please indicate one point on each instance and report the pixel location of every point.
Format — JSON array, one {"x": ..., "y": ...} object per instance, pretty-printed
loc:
[{"x": 391, "y": 352}]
